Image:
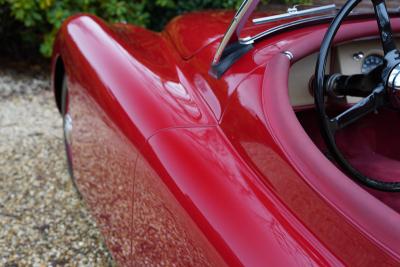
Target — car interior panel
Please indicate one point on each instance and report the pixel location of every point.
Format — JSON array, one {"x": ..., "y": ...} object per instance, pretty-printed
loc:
[{"x": 370, "y": 144}]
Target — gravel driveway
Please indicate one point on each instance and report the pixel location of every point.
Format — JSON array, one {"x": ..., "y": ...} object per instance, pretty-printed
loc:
[{"x": 42, "y": 221}]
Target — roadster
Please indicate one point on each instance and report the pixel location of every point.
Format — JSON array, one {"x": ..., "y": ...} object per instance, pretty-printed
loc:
[{"x": 237, "y": 139}]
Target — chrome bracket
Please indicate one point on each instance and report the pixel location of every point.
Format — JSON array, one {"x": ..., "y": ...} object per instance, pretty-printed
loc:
[
  {"x": 233, "y": 33},
  {"x": 294, "y": 13}
]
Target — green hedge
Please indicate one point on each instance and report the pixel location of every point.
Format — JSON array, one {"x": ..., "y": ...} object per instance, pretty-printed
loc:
[{"x": 35, "y": 22}]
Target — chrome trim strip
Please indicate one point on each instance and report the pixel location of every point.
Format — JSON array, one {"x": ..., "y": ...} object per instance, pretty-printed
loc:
[
  {"x": 293, "y": 13},
  {"x": 233, "y": 33},
  {"x": 287, "y": 26},
  {"x": 305, "y": 22}
]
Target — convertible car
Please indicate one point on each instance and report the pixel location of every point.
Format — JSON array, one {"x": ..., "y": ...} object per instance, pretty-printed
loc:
[{"x": 238, "y": 139}]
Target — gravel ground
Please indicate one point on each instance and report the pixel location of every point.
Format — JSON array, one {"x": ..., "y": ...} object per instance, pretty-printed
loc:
[{"x": 42, "y": 221}]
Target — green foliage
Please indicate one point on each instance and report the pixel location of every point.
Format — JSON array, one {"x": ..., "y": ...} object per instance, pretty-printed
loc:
[{"x": 41, "y": 19}]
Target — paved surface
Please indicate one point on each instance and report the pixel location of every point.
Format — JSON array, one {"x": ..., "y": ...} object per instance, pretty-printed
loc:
[{"x": 42, "y": 221}]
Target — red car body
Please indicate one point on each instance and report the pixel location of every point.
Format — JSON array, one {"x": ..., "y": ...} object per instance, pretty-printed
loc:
[{"x": 180, "y": 168}]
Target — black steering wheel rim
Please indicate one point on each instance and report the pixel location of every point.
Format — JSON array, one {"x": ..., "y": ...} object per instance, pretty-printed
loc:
[{"x": 392, "y": 60}]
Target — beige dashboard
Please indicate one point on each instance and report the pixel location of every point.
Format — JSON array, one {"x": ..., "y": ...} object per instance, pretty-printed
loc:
[{"x": 347, "y": 58}]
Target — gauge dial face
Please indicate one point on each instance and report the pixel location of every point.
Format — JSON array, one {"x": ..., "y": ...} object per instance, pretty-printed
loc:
[{"x": 370, "y": 62}]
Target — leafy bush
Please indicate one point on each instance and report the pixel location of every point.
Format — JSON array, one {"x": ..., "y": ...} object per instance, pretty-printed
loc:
[{"x": 38, "y": 21}]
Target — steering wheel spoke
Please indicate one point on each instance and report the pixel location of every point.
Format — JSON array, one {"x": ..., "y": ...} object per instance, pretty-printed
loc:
[
  {"x": 369, "y": 104},
  {"x": 356, "y": 85},
  {"x": 385, "y": 29}
]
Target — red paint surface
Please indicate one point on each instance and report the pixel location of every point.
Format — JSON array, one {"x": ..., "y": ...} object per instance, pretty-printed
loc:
[{"x": 178, "y": 167}]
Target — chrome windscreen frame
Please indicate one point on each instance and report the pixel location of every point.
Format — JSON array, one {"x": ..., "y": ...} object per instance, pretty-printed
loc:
[
  {"x": 233, "y": 34},
  {"x": 232, "y": 46}
]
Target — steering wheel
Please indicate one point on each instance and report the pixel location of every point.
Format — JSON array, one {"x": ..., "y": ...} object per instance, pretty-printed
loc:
[{"x": 385, "y": 91}]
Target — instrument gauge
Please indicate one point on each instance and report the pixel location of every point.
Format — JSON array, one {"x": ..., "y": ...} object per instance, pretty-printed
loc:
[{"x": 371, "y": 62}]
